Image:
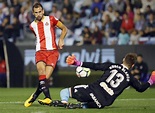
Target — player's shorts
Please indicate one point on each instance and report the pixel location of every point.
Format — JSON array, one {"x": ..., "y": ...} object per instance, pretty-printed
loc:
[
  {"x": 49, "y": 57},
  {"x": 81, "y": 93}
]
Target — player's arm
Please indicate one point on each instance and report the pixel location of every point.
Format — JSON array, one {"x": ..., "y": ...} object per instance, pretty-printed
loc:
[
  {"x": 139, "y": 86},
  {"x": 64, "y": 29},
  {"x": 96, "y": 66},
  {"x": 71, "y": 60}
]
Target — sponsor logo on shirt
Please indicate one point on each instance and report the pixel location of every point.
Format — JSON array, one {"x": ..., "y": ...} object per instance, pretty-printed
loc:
[{"x": 95, "y": 100}]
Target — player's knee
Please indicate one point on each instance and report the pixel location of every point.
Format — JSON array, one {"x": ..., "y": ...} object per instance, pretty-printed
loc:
[
  {"x": 64, "y": 94},
  {"x": 64, "y": 91},
  {"x": 41, "y": 71}
]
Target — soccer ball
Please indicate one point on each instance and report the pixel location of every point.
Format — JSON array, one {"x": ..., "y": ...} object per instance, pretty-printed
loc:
[{"x": 82, "y": 71}]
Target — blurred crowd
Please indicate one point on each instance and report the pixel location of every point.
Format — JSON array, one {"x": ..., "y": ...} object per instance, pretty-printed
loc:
[{"x": 91, "y": 22}]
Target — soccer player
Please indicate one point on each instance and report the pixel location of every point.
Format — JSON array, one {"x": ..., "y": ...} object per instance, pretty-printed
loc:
[
  {"x": 107, "y": 88},
  {"x": 140, "y": 69},
  {"x": 46, "y": 50}
]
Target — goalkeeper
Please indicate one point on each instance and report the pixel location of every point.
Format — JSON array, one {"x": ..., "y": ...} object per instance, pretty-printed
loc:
[{"x": 107, "y": 88}]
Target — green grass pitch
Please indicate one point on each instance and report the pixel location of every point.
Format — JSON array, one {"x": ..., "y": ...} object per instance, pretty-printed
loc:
[{"x": 11, "y": 101}]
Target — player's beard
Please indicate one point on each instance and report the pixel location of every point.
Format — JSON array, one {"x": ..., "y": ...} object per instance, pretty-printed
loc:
[{"x": 39, "y": 18}]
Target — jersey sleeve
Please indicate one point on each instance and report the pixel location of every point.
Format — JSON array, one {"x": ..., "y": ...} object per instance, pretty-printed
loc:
[
  {"x": 139, "y": 86},
  {"x": 53, "y": 20},
  {"x": 32, "y": 29},
  {"x": 97, "y": 66}
]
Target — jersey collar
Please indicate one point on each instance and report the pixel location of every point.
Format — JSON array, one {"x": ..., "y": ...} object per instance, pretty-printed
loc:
[{"x": 124, "y": 66}]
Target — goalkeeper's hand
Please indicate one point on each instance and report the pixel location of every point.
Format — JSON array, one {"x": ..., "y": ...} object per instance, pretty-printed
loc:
[
  {"x": 152, "y": 78},
  {"x": 71, "y": 60}
]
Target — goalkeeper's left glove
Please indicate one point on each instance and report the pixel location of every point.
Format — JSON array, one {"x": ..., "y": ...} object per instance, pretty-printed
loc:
[
  {"x": 71, "y": 60},
  {"x": 152, "y": 78}
]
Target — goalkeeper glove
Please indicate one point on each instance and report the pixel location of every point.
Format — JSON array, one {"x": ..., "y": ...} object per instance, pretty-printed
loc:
[
  {"x": 71, "y": 60},
  {"x": 152, "y": 78}
]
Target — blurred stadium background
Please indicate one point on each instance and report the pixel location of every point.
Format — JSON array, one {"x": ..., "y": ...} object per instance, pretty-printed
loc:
[{"x": 95, "y": 35}]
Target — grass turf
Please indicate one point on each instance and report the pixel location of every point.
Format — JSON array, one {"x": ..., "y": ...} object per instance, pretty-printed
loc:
[{"x": 11, "y": 101}]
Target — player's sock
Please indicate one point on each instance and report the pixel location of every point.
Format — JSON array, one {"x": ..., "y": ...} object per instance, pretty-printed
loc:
[
  {"x": 64, "y": 95},
  {"x": 44, "y": 86},
  {"x": 37, "y": 92}
]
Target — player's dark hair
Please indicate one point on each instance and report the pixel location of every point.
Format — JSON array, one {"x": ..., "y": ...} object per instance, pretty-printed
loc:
[
  {"x": 130, "y": 59},
  {"x": 140, "y": 55},
  {"x": 36, "y": 5}
]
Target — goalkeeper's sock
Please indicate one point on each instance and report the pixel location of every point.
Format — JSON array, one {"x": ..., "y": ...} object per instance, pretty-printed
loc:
[
  {"x": 64, "y": 95},
  {"x": 44, "y": 86}
]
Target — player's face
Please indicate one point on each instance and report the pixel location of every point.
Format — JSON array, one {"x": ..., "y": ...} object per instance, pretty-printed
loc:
[
  {"x": 139, "y": 59},
  {"x": 38, "y": 13}
]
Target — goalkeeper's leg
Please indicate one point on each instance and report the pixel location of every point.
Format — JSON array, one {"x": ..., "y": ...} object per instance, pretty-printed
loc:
[{"x": 64, "y": 95}]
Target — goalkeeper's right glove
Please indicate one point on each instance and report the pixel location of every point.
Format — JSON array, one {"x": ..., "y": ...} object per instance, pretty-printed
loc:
[
  {"x": 71, "y": 60},
  {"x": 152, "y": 78}
]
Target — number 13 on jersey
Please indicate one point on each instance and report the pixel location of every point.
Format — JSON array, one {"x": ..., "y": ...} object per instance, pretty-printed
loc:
[{"x": 114, "y": 83}]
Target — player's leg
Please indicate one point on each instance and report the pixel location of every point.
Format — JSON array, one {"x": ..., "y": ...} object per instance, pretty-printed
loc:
[
  {"x": 83, "y": 105},
  {"x": 64, "y": 95},
  {"x": 49, "y": 71},
  {"x": 42, "y": 79},
  {"x": 50, "y": 65},
  {"x": 78, "y": 92},
  {"x": 47, "y": 100},
  {"x": 44, "y": 84},
  {"x": 83, "y": 94},
  {"x": 40, "y": 64},
  {"x": 33, "y": 97}
]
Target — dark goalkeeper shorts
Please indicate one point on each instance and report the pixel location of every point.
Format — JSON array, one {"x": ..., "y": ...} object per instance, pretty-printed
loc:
[{"x": 82, "y": 93}]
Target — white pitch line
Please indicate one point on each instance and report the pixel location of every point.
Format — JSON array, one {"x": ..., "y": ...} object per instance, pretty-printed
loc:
[
  {"x": 11, "y": 102},
  {"x": 135, "y": 99}
]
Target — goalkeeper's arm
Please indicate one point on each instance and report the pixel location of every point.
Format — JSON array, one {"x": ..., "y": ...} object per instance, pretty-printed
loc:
[{"x": 71, "y": 60}]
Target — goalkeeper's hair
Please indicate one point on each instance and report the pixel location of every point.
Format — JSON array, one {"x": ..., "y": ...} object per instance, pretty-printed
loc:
[{"x": 130, "y": 59}]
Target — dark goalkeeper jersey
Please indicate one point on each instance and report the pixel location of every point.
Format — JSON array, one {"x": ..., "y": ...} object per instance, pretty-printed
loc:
[{"x": 115, "y": 78}]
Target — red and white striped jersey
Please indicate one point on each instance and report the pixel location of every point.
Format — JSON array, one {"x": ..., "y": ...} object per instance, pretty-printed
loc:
[{"x": 45, "y": 33}]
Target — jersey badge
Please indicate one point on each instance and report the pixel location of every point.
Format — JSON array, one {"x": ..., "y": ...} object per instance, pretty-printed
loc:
[{"x": 46, "y": 23}]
